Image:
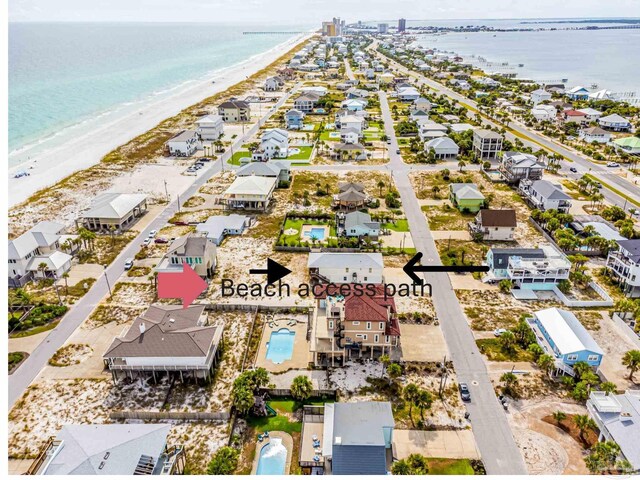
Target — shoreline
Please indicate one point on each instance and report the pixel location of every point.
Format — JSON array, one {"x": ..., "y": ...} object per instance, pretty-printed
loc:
[{"x": 49, "y": 167}]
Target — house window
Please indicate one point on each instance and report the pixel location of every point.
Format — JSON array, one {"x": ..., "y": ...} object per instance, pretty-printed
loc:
[
  {"x": 355, "y": 323},
  {"x": 368, "y": 325},
  {"x": 365, "y": 279},
  {"x": 346, "y": 269},
  {"x": 376, "y": 338},
  {"x": 344, "y": 278},
  {"x": 593, "y": 358},
  {"x": 387, "y": 339},
  {"x": 572, "y": 357},
  {"x": 370, "y": 270},
  {"x": 330, "y": 324}
]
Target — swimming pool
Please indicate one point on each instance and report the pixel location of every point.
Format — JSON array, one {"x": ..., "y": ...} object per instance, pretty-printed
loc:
[
  {"x": 273, "y": 458},
  {"x": 280, "y": 346},
  {"x": 315, "y": 232}
]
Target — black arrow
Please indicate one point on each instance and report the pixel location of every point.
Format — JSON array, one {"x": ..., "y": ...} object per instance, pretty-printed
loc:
[
  {"x": 274, "y": 271},
  {"x": 411, "y": 268}
]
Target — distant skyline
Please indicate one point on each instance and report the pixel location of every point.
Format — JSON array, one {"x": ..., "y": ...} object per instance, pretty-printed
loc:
[{"x": 310, "y": 11}]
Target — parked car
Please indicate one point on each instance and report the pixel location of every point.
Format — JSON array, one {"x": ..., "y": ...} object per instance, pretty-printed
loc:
[
  {"x": 146, "y": 242},
  {"x": 389, "y": 142},
  {"x": 205, "y": 159},
  {"x": 128, "y": 264},
  {"x": 613, "y": 164},
  {"x": 398, "y": 151},
  {"x": 153, "y": 233},
  {"x": 573, "y": 169},
  {"x": 499, "y": 331},
  {"x": 161, "y": 240},
  {"x": 465, "y": 394}
]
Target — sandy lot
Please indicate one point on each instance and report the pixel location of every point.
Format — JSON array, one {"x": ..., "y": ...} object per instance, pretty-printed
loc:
[
  {"x": 437, "y": 444},
  {"x": 422, "y": 343}
]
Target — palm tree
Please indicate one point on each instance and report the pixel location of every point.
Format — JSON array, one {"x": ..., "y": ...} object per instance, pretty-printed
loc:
[
  {"x": 423, "y": 402},
  {"x": 394, "y": 371},
  {"x": 559, "y": 416},
  {"x": 510, "y": 382},
  {"x": 112, "y": 232},
  {"x": 546, "y": 363},
  {"x": 410, "y": 395},
  {"x": 65, "y": 275},
  {"x": 42, "y": 268},
  {"x": 461, "y": 165},
  {"x": 385, "y": 360},
  {"x": 608, "y": 387},
  {"x": 631, "y": 360},
  {"x": 381, "y": 185},
  {"x": 583, "y": 423}
]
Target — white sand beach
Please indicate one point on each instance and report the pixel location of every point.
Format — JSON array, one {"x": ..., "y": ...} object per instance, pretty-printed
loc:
[{"x": 85, "y": 150}]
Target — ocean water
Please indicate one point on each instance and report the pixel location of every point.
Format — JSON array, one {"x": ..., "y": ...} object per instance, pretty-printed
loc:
[
  {"x": 63, "y": 76},
  {"x": 607, "y": 58}
]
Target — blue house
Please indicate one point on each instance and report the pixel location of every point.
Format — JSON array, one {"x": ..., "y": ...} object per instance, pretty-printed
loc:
[
  {"x": 358, "y": 437},
  {"x": 358, "y": 224},
  {"x": 578, "y": 93},
  {"x": 561, "y": 335},
  {"x": 294, "y": 119}
]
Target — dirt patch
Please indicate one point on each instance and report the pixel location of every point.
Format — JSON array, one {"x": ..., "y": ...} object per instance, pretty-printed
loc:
[{"x": 71, "y": 354}]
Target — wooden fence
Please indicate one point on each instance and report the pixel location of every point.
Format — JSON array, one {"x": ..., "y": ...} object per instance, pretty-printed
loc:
[{"x": 144, "y": 415}]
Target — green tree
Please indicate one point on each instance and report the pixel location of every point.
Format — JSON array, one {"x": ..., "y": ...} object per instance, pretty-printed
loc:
[
  {"x": 243, "y": 399},
  {"x": 385, "y": 360},
  {"x": 401, "y": 467},
  {"x": 505, "y": 285},
  {"x": 510, "y": 381},
  {"x": 559, "y": 416},
  {"x": 508, "y": 341},
  {"x": 631, "y": 360},
  {"x": 583, "y": 423},
  {"x": 224, "y": 462},
  {"x": 546, "y": 363},
  {"x": 394, "y": 371},
  {"x": 536, "y": 350},
  {"x": 301, "y": 388},
  {"x": 410, "y": 395},
  {"x": 608, "y": 387},
  {"x": 424, "y": 400}
]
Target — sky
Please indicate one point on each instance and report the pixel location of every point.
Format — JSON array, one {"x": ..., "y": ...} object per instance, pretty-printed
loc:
[{"x": 310, "y": 11}]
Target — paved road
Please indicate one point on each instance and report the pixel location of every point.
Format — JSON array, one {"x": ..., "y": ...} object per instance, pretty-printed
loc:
[
  {"x": 499, "y": 451},
  {"x": 603, "y": 174},
  {"x": 29, "y": 370}
]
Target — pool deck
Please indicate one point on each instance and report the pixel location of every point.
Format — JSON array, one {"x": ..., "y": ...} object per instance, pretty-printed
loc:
[
  {"x": 287, "y": 441},
  {"x": 305, "y": 233},
  {"x": 300, "y": 357}
]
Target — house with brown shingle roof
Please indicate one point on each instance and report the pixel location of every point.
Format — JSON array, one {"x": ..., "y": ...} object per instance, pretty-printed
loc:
[
  {"x": 166, "y": 339},
  {"x": 498, "y": 225}
]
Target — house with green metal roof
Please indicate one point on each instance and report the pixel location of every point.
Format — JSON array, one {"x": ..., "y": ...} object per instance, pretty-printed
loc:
[
  {"x": 466, "y": 197},
  {"x": 630, "y": 145}
]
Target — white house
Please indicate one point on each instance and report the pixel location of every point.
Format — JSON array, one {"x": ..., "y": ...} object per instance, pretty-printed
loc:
[
  {"x": 544, "y": 113},
  {"x": 349, "y": 135},
  {"x": 431, "y": 129},
  {"x": 408, "y": 94},
  {"x": 422, "y": 103},
  {"x": 591, "y": 114},
  {"x": 346, "y": 267},
  {"x": 272, "y": 84},
  {"x": 494, "y": 225},
  {"x": 39, "y": 245},
  {"x": 184, "y": 144},
  {"x": 274, "y": 143},
  {"x": 358, "y": 224},
  {"x": 166, "y": 339},
  {"x": 210, "y": 127},
  {"x": 113, "y": 210},
  {"x": 544, "y": 195},
  {"x": 354, "y": 104},
  {"x": 594, "y": 135},
  {"x": 250, "y": 193},
  {"x": 352, "y": 122},
  {"x": 540, "y": 95},
  {"x": 217, "y": 227},
  {"x": 577, "y": 93},
  {"x": 624, "y": 264},
  {"x": 615, "y": 122},
  {"x": 443, "y": 147},
  {"x": 193, "y": 249}
]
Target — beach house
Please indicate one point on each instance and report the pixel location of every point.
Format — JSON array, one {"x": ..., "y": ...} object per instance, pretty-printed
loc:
[
  {"x": 615, "y": 122},
  {"x": 348, "y": 151},
  {"x": 272, "y": 84},
  {"x": 591, "y": 113},
  {"x": 37, "y": 253},
  {"x": 494, "y": 225},
  {"x": 358, "y": 224},
  {"x": 250, "y": 193},
  {"x": 628, "y": 145},
  {"x": 443, "y": 148},
  {"x": 294, "y": 119},
  {"x": 486, "y": 143},
  {"x": 561, "y": 335},
  {"x": 429, "y": 129},
  {"x": 274, "y": 143},
  {"x": 184, "y": 144},
  {"x": 217, "y": 227},
  {"x": 355, "y": 438},
  {"x": 332, "y": 267},
  {"x": 574, "y": 116},
  {"x": 466, "y": 197},
  {"x": 166, "y": 339},
  {"x": 422, "y": 103},
  {"x": 540, "y": 95},
  {"x": 577, "y": 93},
  {"x": 527, "y": 268},
  {"x": 544, "y": 113},
  {"x": 617, "y": 417},
  {"x": 306, "y": 102},
  {"x": 594, "y": 135},
  {"x": 210, "y": 127},
  {"x": 350, "y": 196},
  {"x": 109, "y": 211},
  {"x": 408, "y": 94},
  {"x": 281, "y": 170},
  {"x": 347, "y": 325},
  {"x": 235, "y": 111},
  {"x": 624, "y": 265},
  {"x": 350, "y": 121},
  {"x": 544, "y": 195},
  {"x": 110, "y": 449},
  {"x": 516, "y": 166},
  {"x": 193, "y": 249}
]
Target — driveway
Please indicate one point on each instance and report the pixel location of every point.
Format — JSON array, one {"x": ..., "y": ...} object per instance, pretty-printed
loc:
[{"x": 435, "y": 444}]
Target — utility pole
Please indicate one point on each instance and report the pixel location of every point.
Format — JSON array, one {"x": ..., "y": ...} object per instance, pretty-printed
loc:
[
  {"x": 166, "y": 192},
  {"x": 107, "y": 279}
]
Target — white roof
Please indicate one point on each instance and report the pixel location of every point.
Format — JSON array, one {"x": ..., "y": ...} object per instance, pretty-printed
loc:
[
  {"x": 343, "y": 260},
  {"x": 43, "y": 234},
  {"x": 442, "y": 143},
  {"x": 614, "y": 118},
  {"x": 114, "y": 205},
  {"x": 590, "y": 111},
  {"x": 566, "y": 331},
  {"x": 215, "y": 225},
  {"x": 207, "y": 120},
  {"x": 54, "y": 261},
  {"x": 251, "y": 185}
]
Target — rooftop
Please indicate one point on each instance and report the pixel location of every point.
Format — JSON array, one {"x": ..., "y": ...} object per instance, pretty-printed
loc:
[
  {"x": 568, "y": 334},
  {"x": 114, "y": 205}
]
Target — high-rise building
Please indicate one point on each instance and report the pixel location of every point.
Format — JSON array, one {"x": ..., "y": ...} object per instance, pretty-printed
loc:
[
  {"x": 337, "y": 25},
  {"x": 402, "y": 25},
  {"x": 383, "y": 27},
  {"x": 328, "y": 29}
]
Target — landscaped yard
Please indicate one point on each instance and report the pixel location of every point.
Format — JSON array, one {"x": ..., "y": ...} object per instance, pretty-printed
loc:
[
  {"x": 14, "y": 359},
  {"x": 401, "y": 225},
  {"x": 235, "y": 158},
  {"x": 296, "y": 224},
  {"x": 492, "y": 348},
  {"x": 450, "y": 466},
  {"x": 304, "y": 154}
]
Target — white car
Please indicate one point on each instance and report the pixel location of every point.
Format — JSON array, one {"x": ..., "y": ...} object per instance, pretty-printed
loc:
[
  {"x": 499, "y": 331},
  {"x": 153, "y": 233},
  {"x": 613, "y": 164},
  {"x": 146, "y": 242}
]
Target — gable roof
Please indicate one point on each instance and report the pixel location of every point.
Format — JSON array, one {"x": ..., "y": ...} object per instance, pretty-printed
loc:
[
  {"x": 114, "y": 205},
  {"x": 614, "y": 118},
  {"x": 166, "y": 331},
  {"x": 234, "y": 104},
  {"x": 466, "y": 191},
  {"x": 84, "y": 448},
  {"x": 566, "y": 331},
  {"x": 43, "y": 234},
  {"x": 498, "y": 218},
  {"x": 354, "y": 219},
  {"x": 261, "y": 169},
  {"x": 342, "y": 260},
  {"x": 207, "y": 120},
  {"x": 215, "y": 225},
  {"x": 549, "y": 190},
  {"x": 251, "y": 185},
  {"x": 633, "y": 247}
]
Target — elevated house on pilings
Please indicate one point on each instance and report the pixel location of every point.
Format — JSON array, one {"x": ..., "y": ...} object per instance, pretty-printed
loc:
[{"x": 169, "y": 340}]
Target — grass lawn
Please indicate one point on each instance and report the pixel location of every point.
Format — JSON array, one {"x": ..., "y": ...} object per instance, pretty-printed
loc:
[
  {"x": 461, "y": 252},
  {"x": 494, "y": 352},
  {"x": 304, "y": 154},
  {"x": 401, "y": 225},
  {"x": 269, "y": 424},
  {"x": 446, "y": 217},
  {"x": 290, "y": 405},
  {"x": 14, "y": 359},
  {"x": 235, "y": 158},
  {"x": 326, "y": 136},
  {"x": 450, "y": 466}
]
